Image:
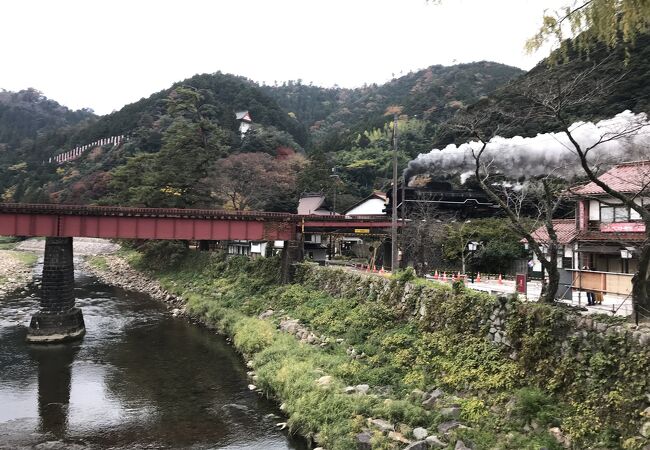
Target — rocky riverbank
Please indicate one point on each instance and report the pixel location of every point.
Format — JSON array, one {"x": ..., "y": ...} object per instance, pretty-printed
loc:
[
  {"x": 116, "y": 271},
  {"x": 15, "y": 270},
  {"x": 372, "y": 363}
]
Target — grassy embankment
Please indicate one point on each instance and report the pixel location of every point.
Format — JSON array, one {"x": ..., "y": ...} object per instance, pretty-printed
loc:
[{"x": 502, "y": 401}]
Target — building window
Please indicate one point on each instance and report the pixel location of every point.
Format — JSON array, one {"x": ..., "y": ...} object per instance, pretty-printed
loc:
[
  {"x": 609, "y": 214},
  {"x": 621, "y": 214},
  {"x": 606, "y": 214}
]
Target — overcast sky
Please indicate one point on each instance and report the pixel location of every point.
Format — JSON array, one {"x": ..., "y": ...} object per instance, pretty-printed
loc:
[{"x": 104, "y": 54}]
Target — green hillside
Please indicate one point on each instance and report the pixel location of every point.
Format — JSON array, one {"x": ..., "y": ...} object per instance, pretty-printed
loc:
[
  {"x": 626, "y": 70},
  {"x": 306, "y": 133},
  {"x": 28, "y": 113},
  {"x": 335, "y": 115}
]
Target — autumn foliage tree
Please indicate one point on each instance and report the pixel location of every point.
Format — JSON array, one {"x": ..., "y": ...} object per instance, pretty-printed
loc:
[{"x": 253, "y": 181}]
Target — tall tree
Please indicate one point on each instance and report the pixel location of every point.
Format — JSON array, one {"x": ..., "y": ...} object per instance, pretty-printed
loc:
[
  {"x": 544, "y": 191},
  {"x": 253, "y": 181},
  {"x": 174, "y": 177},
  {"x": 587, "y": 21}
]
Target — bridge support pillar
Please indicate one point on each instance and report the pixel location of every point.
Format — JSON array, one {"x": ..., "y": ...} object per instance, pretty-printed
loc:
[
  {"x": 292, "y": 253},
  {"x": 58, "y": 319}
]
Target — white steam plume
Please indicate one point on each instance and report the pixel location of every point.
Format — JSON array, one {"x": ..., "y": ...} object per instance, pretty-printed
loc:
[{"x": 625, "y": 137}]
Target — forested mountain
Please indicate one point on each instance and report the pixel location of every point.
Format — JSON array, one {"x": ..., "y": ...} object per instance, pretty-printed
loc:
[
  {"x": 336, "y": 115},
  {"x": 620, "y": 75},
  {"x": 222, "y": 93},
  {"x": 25, "y": 114},
  {"x": 184, "y": 147},
  {"x": 216, "y": 98}
]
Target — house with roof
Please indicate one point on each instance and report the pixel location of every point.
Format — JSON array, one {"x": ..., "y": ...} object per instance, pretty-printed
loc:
[
  {"x": 566, "y": 232},
  {"x": 373, "y": 205},
  {"x": 311, "y": 204},
  {"x": 611, "y": 234},
  {"x": 245, "y": 121},
  {"x": 600, "y": 247},
  {"x": 314, "y": 204}
]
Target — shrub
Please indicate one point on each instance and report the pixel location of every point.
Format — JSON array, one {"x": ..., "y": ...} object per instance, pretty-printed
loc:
[
  {"x": 252, "y": 335},
  {"x": 159, "y": 255}
]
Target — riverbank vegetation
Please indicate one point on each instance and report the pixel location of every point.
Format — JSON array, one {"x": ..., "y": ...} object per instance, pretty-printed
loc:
[{"x": 416, "y": 360}]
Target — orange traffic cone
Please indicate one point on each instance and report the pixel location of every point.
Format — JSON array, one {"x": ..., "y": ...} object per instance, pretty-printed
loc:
[
  {"x": 500, "y": 279},
  {"x": 444, "y": 276},
  {"x": 368, "y": 268},
  {"x": 478, "y": 277},
  {"x": 374, "y": 269},
  {"x": 381, "y": 271},
  {"x": 436, "y": 276}
]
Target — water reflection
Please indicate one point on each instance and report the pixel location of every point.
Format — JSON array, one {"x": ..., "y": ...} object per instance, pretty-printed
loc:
[
  {"x": 54, "y": 384},
  {"x": 139, "y": 378}
]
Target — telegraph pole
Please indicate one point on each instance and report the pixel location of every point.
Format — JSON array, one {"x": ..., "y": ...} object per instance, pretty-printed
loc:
[{"x": 393, "y": 234}]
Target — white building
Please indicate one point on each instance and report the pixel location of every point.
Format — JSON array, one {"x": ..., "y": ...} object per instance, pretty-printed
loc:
[{"x": 245, "y": 121}]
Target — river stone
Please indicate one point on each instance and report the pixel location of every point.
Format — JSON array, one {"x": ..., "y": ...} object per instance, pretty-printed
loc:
[
  {"x": 266, "y": 314},
  {"x": 398, "y": 437},
  {"x": 362, "y": 388},
  {"x": 446, "y": 427},
  {"x": 417, "y": 394},
  {"x": 560, "y": 437},
  {"x": 453, "y": 412},
  {"x": 381, "y": 424},
  {"x": 435, "y": 442},
  {"x": 350, "y": 390},
  {"x": 252, "y": 387},
  {"x": 420, "y": 433},
  {"x": 324, "y": 381},
  {"x": 419, "y": 445},
  {"x": 432, "y": 398},
  {"x": 645, "y": 430},
  {"x": 290, "y": 326},
  {"x": 460, "y": 445},
  {"x": 364, "y": 441}
]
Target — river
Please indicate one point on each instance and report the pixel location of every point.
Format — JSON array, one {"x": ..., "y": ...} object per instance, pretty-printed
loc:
[{"x": 138, "y": 379}]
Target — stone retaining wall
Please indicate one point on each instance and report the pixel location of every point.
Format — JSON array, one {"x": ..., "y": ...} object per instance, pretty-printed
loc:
[{"x": 599, "y": 363}]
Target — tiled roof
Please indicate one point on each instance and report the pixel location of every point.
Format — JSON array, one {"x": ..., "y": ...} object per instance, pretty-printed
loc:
[
  {"x": 312, "y": 204},
  {"x": 628, "y": 177},
  {"x": 613, "y": 237},
  {"x": 243, "y": 115},
  {"x": 564, "y": 228}
]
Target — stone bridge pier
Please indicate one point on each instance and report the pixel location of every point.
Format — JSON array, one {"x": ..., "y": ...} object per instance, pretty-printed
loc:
[
  {"x": 58, "y": 319},
  {"x": 292, "y": 254}
]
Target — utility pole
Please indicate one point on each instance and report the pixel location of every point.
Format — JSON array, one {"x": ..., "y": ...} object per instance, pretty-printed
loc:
[{"x": 393, "y": 234}]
